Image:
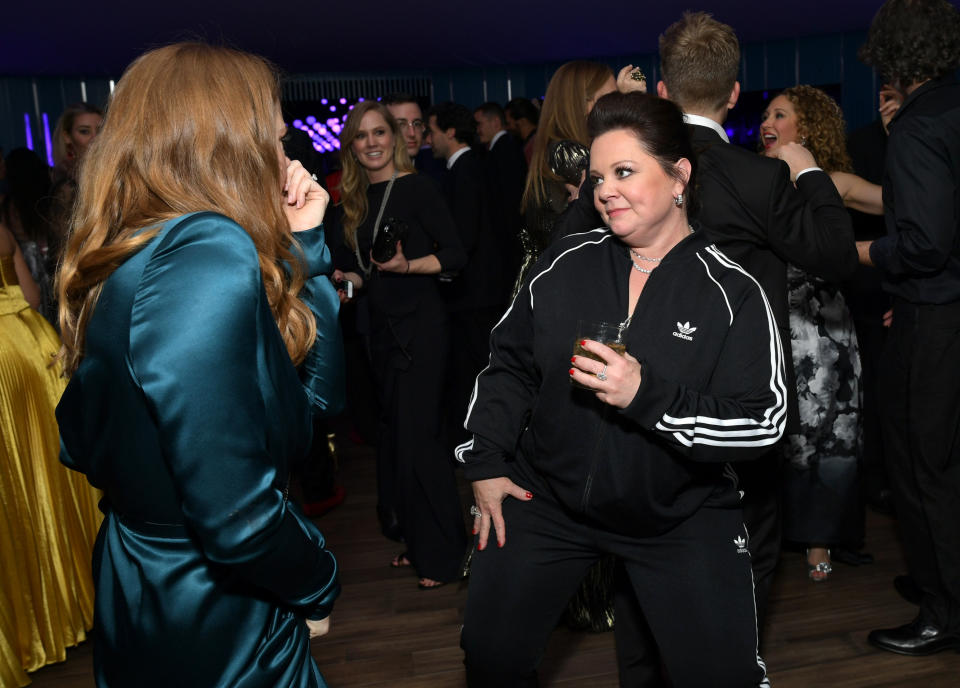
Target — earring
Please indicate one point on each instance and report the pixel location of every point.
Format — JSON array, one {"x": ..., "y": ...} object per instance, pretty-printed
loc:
[
  {"x": 803, "y": 140},
  {"x": 678, "y": 200}
]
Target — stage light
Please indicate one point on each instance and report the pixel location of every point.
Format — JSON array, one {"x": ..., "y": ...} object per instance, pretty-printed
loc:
[
  {"x": 29, "y": 130},
  {"x": 46, "y": 139}
]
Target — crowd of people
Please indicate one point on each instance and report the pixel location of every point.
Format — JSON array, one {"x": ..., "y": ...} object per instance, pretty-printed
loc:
[{"x": 654, "y": 439}]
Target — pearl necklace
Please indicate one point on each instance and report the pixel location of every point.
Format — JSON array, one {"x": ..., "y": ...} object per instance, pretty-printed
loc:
[
  {"x": 651, "y": 260},
  {"x": 647, "y": 271}
]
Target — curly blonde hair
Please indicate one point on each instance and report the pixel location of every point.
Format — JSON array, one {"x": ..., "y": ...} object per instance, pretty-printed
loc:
[{"x": 820, "y": 122}]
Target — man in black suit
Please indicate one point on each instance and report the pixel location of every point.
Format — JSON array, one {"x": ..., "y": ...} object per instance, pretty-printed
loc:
[
  {"x": 476, "y": 296},
  {"x": 916, "y": 44},
  {"x": 506, "y": 171},
  {"x": 758, "y": 217},
  {"x": 521, "y": 118}
]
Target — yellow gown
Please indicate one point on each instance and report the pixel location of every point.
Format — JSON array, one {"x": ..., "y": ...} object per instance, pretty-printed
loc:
[{"x": 48, "y": 513}]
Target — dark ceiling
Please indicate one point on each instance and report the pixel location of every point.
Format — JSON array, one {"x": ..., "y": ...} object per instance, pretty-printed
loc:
[{"x": 60, "y": 38}]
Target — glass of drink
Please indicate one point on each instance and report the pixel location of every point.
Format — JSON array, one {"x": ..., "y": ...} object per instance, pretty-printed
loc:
[{"x": 609, "y": 334}]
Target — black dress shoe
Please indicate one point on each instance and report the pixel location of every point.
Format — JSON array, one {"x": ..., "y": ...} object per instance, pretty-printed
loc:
[
  {"x": 907, "y": 589},
  {"x": 850, "y": 557},
  {"x": 916, "y": 638}
]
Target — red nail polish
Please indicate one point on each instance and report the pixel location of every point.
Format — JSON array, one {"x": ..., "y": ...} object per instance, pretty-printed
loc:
[
  {"x": 480, "y": 548},
  {"x": 571, "y": 371},
  {"x": 573, "y": 359},
  {"x": 529, "y": 495},
  {"x": 474, "y": 531},
  {"x": 583, "y": 342},
  {"x": 500, "y": 545}
]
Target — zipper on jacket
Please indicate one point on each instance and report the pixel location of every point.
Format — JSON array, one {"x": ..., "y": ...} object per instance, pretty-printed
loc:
[
  {"x": 623, "y": 327},
  {"x": 593, "y": 460}
]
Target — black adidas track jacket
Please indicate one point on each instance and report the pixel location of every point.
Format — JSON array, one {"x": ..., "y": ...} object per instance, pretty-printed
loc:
[{"x": 712, "y": 387}]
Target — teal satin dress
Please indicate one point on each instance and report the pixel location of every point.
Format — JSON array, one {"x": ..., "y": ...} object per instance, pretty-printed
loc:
[{"x": 187, "y": 411}]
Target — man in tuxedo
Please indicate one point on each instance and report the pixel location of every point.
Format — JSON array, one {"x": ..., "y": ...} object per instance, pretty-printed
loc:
[
  {"x": 521, "y": 118},
  {"x": 763, "y": 214},
  {"x": 475, "y": 297},
  {"x": 916, "y": 45},
  {"x": 506, "y": 171},
  {"x": 406, "y": 110}
]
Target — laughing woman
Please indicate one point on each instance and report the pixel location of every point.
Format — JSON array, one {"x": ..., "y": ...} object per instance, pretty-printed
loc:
[
  {"x": 821, "y": 481},
  {"x": 416, "y": 489}
]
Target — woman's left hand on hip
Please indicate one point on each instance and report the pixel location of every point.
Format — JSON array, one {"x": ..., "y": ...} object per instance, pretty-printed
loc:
[{"x": 615, "y": 379}]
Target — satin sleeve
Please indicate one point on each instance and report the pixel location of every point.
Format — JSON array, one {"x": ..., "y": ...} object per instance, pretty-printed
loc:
[
  {"x": 322, "y": 372},
  {"x": 313, "y": 246},
  {"x": 196, "y": 346}
]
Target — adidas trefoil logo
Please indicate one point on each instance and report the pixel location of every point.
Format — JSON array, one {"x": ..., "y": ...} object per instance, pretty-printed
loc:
[
  {"x": 741, "y": 544},
  {"x": 684, "y": 331}
]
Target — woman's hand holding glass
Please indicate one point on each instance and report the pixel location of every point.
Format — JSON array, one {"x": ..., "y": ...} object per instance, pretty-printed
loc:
[
  {"x": 305, "y": 201},
  {"x": 615, "y": 379},
  {"x": 489, "y": 495}
]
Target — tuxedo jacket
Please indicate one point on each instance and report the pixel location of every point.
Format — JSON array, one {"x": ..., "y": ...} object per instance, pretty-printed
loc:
[
  {"x": 754, "y": 213},
  {"x": 506, "y": 171},
  {"x": 481, "y": 282}
]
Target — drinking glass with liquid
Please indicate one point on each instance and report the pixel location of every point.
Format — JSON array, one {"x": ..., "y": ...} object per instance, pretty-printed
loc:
[{"x": 608, "y": 334}]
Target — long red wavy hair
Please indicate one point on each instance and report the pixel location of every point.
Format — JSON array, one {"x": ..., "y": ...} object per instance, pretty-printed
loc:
[{"x": 190, "y": 127}]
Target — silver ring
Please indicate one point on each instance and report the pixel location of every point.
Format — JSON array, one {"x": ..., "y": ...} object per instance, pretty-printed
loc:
[
  {"x": 602, "y": 375},
  {"x": 475, "y": 511},
  {"x": 314, "y": 177}
]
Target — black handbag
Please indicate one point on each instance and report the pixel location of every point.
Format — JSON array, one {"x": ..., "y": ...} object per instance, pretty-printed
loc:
[
  {"x": 385, "y": 243},
  {"x": 568, "y": 160}
]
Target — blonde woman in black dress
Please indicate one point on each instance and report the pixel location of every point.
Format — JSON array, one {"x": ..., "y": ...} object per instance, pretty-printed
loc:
[{"x": 407, "y": 332}]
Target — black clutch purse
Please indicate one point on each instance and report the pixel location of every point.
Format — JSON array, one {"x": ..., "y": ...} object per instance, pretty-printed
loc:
[
  {"x": 385, "y": 243},
  {"x": 568, "y": 160}
]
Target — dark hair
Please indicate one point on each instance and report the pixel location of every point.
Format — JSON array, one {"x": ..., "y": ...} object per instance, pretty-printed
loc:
[
  {"x": 28, "y": 194},
  {"x": 659, "y": 127},
  {"x": 699, "y": 60},
  {"x": 491, "y": 109},
  {"x": 913, "y": 40},
  {"x": 523, "y": 108},
  {"x": 400, "y": 98},
  {"x": 457, "y": 117}
]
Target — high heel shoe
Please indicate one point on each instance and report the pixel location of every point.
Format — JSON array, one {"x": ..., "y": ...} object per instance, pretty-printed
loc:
[{"x": 818, "y": 572}]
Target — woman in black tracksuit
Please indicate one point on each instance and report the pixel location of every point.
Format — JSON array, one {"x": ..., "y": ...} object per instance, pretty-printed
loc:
[{"x": 637, "y": 464}]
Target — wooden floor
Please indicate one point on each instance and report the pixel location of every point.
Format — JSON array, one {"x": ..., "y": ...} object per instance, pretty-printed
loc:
[{"x": 386, "y": 632}]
